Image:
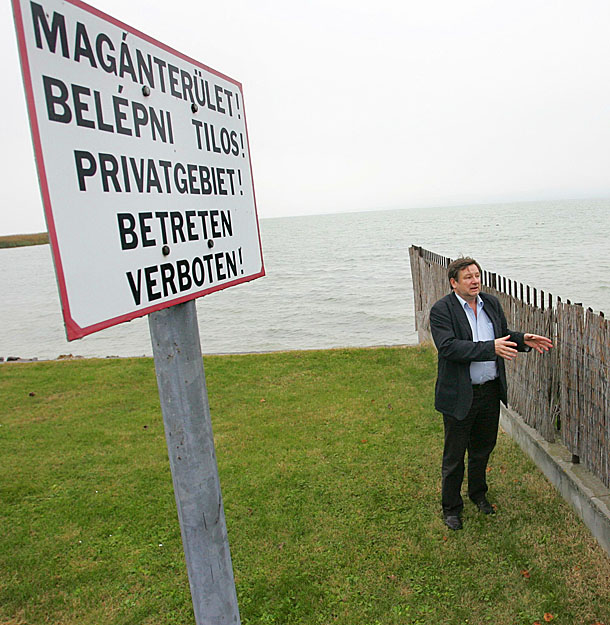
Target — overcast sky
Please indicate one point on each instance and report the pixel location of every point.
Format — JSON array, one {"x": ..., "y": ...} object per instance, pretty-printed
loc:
[{"x": 356, "y": 105}]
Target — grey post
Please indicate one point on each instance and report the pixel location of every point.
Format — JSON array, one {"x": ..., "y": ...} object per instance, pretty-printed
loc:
[{"x": 190, "y": 443}]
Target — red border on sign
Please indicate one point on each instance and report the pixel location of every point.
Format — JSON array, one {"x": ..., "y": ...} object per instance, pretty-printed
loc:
[{"x": 73, "y": 330}]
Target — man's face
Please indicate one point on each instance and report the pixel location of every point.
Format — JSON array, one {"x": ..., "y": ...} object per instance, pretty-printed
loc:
[{"x": 468, "y": 284}]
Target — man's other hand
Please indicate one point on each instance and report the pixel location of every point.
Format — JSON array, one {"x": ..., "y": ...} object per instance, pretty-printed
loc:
[{"x": 540, "y": 343}]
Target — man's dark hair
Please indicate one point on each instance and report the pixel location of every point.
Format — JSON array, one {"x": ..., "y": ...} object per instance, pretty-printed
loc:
[{"x": 453, "y": 271}]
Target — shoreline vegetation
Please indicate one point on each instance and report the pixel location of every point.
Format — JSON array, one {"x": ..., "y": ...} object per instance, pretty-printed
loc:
[
  {"x": 329, "y": 462},
  {"x": 22, "y": 240}
]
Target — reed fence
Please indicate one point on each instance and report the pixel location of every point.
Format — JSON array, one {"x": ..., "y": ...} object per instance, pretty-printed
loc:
[{"x": 566, "y": 393}]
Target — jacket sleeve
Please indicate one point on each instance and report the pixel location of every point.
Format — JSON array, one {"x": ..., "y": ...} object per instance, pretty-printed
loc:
[{"x": 449, "y": 346}]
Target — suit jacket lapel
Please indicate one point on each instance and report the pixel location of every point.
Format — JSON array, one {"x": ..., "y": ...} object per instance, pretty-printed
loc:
[
  {"x": 490, "y": 311},
  {"x": 461, "y": 317}
]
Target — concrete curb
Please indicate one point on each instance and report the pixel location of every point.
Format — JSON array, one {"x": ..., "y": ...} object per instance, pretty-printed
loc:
[{"x": 585, "y": 492}]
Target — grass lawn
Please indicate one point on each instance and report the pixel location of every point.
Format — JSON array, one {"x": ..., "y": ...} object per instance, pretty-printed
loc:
[{"x": 329, "y": 463}]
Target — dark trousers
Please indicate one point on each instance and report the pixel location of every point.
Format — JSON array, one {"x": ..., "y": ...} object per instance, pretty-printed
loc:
[{"x": 477, "y": 434}]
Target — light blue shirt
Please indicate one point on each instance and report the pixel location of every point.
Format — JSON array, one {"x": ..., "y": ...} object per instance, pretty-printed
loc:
[{"x": 482, "y": 330}]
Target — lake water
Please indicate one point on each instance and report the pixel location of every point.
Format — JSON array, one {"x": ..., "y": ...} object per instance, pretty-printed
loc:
[{"x": 335, "y": 280}]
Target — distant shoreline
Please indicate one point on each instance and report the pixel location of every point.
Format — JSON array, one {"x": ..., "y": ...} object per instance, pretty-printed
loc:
[
  {"x": 21, "y": 240},
  {"x": 64, "y": 357}
]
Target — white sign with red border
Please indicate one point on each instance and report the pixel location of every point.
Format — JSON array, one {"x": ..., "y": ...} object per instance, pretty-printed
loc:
[{"x": 144, "y": 166}]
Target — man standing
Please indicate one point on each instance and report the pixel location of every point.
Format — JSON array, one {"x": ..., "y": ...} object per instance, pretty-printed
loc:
[{"x": 470, "y": 332}]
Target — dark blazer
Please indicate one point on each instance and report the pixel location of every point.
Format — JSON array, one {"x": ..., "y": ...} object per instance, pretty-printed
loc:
[{"x": 456, "y": 350}]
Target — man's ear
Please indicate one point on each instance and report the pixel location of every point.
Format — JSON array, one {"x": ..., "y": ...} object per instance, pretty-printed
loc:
[{"x": 452, "y": 282}]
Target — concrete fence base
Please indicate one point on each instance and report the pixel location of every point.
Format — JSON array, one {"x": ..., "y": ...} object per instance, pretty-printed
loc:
[{"x": 586, "y": 493}]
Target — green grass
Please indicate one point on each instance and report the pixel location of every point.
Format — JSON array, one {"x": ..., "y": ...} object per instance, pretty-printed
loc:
[
  {"x": 329, "y": 463},
  {"x": 20, "y": 240}
]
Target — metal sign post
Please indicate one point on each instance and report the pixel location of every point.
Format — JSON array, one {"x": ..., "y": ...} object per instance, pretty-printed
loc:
[{"x": 190, "y": 444}]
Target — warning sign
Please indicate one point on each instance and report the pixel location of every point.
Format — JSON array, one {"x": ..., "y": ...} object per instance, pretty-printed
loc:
[{"x": 144, "y": 166}]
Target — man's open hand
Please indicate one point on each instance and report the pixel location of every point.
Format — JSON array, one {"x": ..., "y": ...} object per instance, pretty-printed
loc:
[
  {"x": 505, "y": 348},
  {"x": 540, "y": 343}
]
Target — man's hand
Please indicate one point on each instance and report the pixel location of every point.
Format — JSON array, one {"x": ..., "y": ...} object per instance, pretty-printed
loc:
[
  {"x": 540, "y": 343},
  {"x": 505, "y": 348}
]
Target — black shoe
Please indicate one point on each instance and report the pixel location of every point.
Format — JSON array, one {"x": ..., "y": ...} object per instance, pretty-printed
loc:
[
  {"x": 484, "y": 506},
  {"x": 453, "y": 522}
]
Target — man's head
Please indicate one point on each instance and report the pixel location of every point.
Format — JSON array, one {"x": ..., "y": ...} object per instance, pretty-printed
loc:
[{"x": 465, "y": 277}]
